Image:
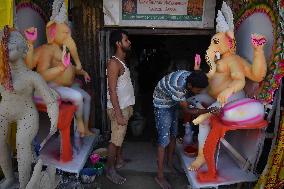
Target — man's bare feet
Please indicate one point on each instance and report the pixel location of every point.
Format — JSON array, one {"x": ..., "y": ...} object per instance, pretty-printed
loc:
[
  {"x": 122, "y": 163},
  {"x": 8, "y": 183},
  {"x": 114, "y": 177},
  {"x": 163, "y": 183},
  {"x": 197, "y": 163}
]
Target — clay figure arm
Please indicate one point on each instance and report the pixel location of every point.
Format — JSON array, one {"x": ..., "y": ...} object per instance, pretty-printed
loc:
[
  {"x": 70, "y": 43},
  {"x": 257, "y": 70},
  {"x": 29, "y": 57},
  {"x": 84, "y": 74},
  {"x": 49, "y": 98},
  {"x": 31, "y": 36},
  {"x": 237, "y": 84},
  {"x": 112, "y": 75}
]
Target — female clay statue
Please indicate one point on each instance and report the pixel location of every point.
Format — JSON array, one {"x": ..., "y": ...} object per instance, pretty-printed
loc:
[{"x": 18, "y": 84}]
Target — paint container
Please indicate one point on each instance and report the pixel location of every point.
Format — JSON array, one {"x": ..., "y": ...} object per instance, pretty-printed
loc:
[
  {"x": 88, "y": 175},
  {"x": 99, "y": 168}
]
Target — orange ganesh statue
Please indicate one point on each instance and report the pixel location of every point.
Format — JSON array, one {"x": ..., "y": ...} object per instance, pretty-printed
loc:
[
  {"x": 227, "y": 73},
  {"x": 47, "y": 59}
]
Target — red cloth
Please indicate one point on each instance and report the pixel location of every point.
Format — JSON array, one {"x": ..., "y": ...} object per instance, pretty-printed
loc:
[
  {"x": 66, "y": 113},
  {"x": 218, "y": 131}
]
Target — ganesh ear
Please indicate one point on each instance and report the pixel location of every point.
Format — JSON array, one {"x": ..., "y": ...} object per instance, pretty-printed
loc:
[
  {"x": 230, "y": 34},
  {"x": 50, "y": 31}
]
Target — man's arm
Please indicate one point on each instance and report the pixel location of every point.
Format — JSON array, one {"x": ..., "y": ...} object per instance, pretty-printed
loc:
[
  {"x": 29, "y": 57},
  {"x": 112, "y": 75},
  {"x": 196, "y": 111}
]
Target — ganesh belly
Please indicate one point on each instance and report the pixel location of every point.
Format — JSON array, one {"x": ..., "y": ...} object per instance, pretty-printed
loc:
[{"x": 243, "y": 112}]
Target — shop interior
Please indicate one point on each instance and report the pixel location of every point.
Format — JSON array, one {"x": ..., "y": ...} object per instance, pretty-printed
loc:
[{"x": 151, "y": 58}]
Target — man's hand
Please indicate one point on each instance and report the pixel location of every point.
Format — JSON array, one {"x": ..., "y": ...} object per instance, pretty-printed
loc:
[
  {"x": 197, "y": 62},
  {"x": 121, "y": 120}
]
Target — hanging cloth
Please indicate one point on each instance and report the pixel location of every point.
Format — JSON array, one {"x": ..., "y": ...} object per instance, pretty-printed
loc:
[{"x": 6, "y": 13}]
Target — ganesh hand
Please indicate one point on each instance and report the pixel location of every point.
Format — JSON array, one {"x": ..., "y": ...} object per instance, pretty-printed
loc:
[
  {"x": 87, "y": 77},
  {"x": 197, "y": 62},
  {"x": 66, "y": 60},
  {"x": 224, "y": 95},
  {"x": 31, "y": 34},
  {"x": 200, "y": 119},
  {"x": 258, "y": 40},
  {"x": 78, "y": 66}
]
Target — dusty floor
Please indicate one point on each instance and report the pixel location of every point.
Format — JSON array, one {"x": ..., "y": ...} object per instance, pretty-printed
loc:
[{"x": 141, "y": 171}]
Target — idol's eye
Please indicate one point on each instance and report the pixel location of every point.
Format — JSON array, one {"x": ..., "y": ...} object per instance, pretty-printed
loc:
[{"x": 215, "y": 41}]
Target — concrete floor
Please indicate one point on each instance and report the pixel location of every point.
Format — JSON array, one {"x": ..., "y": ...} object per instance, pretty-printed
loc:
[
  {"x": 141, "y": 171},
  {"x": 140, "y": 180}
]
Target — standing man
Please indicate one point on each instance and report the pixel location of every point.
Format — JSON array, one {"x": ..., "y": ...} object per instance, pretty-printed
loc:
[
  {"x": 171, "y": 91},
  {"x": 120, "y": 99}
]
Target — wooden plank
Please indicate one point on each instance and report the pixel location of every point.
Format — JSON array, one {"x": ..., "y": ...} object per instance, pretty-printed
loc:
[
  {"x": 81, "y": 150},
  {"x": 165, "y": 31}
]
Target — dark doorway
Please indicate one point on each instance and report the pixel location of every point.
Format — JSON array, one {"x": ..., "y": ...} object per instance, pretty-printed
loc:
[{"x": 152, "y": 57}]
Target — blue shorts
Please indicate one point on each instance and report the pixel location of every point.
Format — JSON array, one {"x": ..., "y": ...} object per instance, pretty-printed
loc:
[{"x": 166, "y": 124}]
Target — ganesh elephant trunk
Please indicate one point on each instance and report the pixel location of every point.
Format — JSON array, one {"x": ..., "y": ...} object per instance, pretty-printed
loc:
[
  {"x": 210, "y": 60},
  {"x": 71, "y": 45}
]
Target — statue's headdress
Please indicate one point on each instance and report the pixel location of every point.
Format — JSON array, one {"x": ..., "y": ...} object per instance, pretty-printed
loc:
[
  {"x": 225, "y": 19},
  {"x": 59, "y": 12}
]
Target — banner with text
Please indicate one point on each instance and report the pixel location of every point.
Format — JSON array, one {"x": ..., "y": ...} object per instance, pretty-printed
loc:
[{"x": 160, "y": 13}]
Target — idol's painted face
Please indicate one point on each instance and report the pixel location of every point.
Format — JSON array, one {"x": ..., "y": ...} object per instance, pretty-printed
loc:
[{"x": 17, "y": 46}]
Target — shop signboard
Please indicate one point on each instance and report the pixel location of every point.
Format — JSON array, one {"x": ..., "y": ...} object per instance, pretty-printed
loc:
[{"x": 160, "y": 13}]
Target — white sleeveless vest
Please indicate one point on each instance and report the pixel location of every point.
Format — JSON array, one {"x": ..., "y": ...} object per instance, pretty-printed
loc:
[{"x": 124, "y": 89}]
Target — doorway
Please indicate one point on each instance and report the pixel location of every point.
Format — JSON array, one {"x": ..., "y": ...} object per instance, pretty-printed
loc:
[{"x": 151, "y": 58}]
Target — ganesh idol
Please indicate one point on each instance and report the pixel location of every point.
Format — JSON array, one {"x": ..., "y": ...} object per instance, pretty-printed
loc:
[
  {"x": 47, "y": 59},
  {"x": 227, "y": 74}
]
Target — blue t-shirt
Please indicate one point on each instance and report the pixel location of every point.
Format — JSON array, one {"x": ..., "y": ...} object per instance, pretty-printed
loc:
[{"x": 171, "y": 89}]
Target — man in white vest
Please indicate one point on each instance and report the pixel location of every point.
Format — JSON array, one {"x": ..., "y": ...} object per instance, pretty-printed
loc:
[{"x": 120, "y": 99}]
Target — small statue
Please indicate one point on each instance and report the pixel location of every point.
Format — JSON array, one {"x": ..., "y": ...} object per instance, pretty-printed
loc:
[
  {"x": 227, "y": 73},
  {"x": 48, "y": 62},
  {"x": 18, "y": 84}
]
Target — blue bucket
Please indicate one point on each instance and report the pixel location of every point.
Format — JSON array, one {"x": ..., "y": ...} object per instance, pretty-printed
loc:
[{"x": 88, "y": 175}]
